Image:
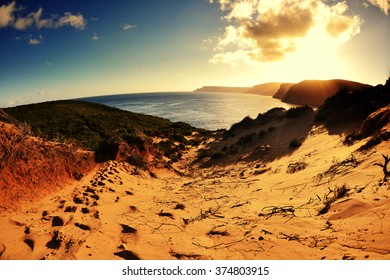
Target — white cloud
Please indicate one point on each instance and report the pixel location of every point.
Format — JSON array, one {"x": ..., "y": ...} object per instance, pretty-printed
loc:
[
  {"x": 9, "y": 17},
  {"x": 127, "y": 26},
  {"x": 206, "y": 43},
  {"x": 384, "y": 5},
  {"x": 23, "y": 23},
  {"x": 35, "y": 41},
  {"x": 95, "y": 37},
  {"x": 6, "y": 14},
  {"x": 76, "y": 21},
  {"x": 270, "y": 30},
  {"x": 41, "y": 93}
]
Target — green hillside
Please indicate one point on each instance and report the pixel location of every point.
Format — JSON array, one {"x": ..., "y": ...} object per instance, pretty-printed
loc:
[{"x": 94, "y": 126}]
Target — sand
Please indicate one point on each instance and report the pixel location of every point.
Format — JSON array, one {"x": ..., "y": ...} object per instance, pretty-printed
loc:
[{"x": 243, "y": 210}]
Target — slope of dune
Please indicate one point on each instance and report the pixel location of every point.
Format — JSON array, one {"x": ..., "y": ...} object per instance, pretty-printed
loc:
[
  {"x": 315, "y": 92},
  {"x": 281, "y": 186},
  {"x": 323, "y": 201},
  {"x": 31, "y": 167}
]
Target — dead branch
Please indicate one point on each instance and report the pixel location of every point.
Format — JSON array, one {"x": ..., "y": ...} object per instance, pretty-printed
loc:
[
  {"x": 384, "y": 166},
  {"x": 331, "y": 197},
  {"x": 272, "y": 210},
  {"x": 220, "y": 245},
  {"x": 341, "y": 167},
  {"x": 209, "y": 213}
]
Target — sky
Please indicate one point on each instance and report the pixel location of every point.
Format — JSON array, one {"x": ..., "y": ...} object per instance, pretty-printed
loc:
[{"x": 64, "y": 49}]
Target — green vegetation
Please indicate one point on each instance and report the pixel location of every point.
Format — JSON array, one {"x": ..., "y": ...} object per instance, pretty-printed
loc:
[
  {"x": 98, "y": 127},
  {"x": 296, "y": 112}
]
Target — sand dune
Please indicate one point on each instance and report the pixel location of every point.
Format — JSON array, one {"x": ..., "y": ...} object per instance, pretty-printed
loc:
[{"x": 334, "y": 206}]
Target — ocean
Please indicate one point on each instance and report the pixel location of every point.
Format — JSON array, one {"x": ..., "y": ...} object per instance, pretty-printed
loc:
[{"x": 203, "y": 110}]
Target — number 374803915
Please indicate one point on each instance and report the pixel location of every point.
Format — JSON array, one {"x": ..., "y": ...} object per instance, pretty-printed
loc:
[{"x": 225, "y": 270}]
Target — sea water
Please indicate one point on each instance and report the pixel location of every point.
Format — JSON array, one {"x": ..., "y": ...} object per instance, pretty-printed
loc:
[{"x": 203, "y": 110}]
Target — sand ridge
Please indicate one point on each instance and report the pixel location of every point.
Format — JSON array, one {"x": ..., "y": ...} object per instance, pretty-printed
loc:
[{"x": 246, "y": 210}]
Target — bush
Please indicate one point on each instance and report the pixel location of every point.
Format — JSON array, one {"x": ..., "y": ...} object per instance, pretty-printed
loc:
[
  {"x": 218, "y": 154},
  {"x": 374, "y": 141},
  {"x": 296, "y": 166},
  {"x": 294, "y": 144},
  {"x": 245, "y": 140},
  {"x": 261, "y": 134},
  {"x": 296, "y": 112},
  {"x": 138, "y": 161},
  {"x": 271, "y": 128},
  {"x": 245, "y": 123},
  {"x": 107, "y": 150}
]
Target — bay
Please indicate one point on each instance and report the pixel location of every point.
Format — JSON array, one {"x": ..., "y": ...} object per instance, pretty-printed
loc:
[{"x": 211, "y": 111}]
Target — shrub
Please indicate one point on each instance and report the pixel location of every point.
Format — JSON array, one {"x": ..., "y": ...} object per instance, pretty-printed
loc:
[
  {"x": 296, "y": 112},
  {"x": 245, "y": 140},
  {"x": 350, "y": 138},
  {"x": 296, "y": 166},
  {"x": 107, "y": 150},
  {"x": 374, "y": 141},
  {"x": 138, "y": 161},
  {"x": 261, "y": 134},
  {"x": 218, "y": 154},
  {"x": 245, "y": 123},
  {"x": 294, "y": 144},
  {"x": 271, "y": 128}
]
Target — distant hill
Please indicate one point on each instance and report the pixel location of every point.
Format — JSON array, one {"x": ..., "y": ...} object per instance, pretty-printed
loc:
[
  {"x": 222, "y": 89},
  {"x": 282, "y": 91},
  {"x": 267, "y": 89},
  {"x": 315, "y": 92}
]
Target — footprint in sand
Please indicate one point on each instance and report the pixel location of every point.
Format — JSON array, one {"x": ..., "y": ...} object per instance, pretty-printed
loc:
[
  {"x": 57, "y": 222},
  {"x": 129, "y": 234},
  {"x": 2, "y": 248},
  {"x": 128, "y": 229},
  {"x": 30, "y": 243},
  {"x": 55, "y": 242},
  {"x": 127, "y": 255},
  {"x": 77, "y": 200},
  {"x": 71, "y": 209},
  {"x": 82, "y": 226}
]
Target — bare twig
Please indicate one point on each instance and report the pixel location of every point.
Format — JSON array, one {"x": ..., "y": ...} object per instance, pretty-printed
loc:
[
  {"x": 384, "y": 166},
  {"x": 271, "y": 210}
]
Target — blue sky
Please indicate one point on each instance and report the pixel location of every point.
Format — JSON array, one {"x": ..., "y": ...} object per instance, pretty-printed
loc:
[{"x": 67, "y": 49}]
